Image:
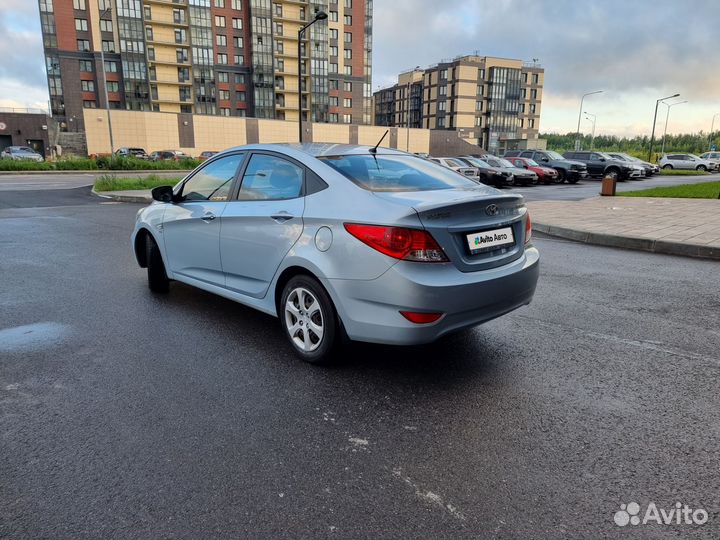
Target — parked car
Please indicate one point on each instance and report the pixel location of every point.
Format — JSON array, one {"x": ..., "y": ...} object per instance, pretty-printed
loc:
[
  {"x": 138, "y": 153},
  {"x": 168, "y": 155},
  {"x": 491, "y": 176},
  {"x": 641, "y": 169},
  {"x": 546, "y": 175},
  {"x": 685, "y": 161},
  {"x": 21, "y": 153},
  {"x": 521, "y": 176},
  {"x": 332, "y": 241},
  {"x": 568, "y": 171},
  {"x": 206, "y": 155},
  {"x": 712, "y": 157},
  {"x": 600, "y": 165},
  {"x": 457, "y": 166},
  {"x": 648, "y": 168}
]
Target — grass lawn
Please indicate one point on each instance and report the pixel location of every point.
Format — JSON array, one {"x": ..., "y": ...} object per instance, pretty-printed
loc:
[
  {"x": 110, "y": 182},
  {"x": 704, "y": 190},
  {"x": 681, "y": 172}
]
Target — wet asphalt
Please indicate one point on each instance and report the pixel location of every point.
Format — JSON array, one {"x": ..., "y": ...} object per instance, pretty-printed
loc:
[{"x": 129, "y": 415}]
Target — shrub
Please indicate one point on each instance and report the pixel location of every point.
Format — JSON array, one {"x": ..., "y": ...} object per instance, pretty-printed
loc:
[
  {"x": 76, "y": 164},
  {"x": 7, "y": 164}
]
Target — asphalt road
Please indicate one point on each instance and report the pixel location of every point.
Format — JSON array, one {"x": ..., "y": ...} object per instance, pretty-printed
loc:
[{"x": 129, "y": 415}]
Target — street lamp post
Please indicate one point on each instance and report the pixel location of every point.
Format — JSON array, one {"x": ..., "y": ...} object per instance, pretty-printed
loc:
[
  {"x": 577, "y": 137},
  {"x": 592, "y": 137},
  {"x": 105, "y": 91},
  {"x": 667, "y": 118},
  {"x": 319, "y": 16},
  {"x": 712, "y": 126},
  {"x": 652, "y": 137}
]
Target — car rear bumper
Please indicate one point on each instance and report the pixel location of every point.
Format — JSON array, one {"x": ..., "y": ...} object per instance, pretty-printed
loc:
[{"x": 370, "y": 309}]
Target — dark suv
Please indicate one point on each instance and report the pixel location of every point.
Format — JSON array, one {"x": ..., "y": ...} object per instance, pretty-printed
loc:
[
  {"x": 568, "y": 171},
  {"x": 601, "y": 164}
]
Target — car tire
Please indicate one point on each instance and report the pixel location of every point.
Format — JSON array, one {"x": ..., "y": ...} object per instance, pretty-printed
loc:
[
  {"x": 309, "y": 320},
  {"x": 560, "y": 178},
  {"x": 667, "y": 166},
  {"x": 157, "y": 276},
  {"x": 702, "y": 168}
]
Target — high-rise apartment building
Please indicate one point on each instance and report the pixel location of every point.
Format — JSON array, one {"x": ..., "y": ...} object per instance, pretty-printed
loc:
[
  {"x": 491, "y": 99},
  {"x": 216, "y": 57}
]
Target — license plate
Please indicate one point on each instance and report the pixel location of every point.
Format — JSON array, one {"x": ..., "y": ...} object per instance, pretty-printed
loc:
[{"x": 485, "y": 240}]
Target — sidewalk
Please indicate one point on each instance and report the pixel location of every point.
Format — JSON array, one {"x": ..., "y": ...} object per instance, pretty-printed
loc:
[{"x": 689, "y": 227}]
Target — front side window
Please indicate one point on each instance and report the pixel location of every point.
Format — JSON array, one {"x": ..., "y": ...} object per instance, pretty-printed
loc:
[
  {"x": 396, "y": 173},
  {"x": 212, "y": 182},
  {"x": 271, "y": 178}
]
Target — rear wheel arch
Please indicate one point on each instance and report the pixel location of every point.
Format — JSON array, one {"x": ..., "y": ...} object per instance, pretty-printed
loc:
[{"x": 285, "y": 276}]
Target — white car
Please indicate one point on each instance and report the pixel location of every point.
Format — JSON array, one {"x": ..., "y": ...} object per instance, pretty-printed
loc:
[
  {"x": 21, "y": 153},
  {"x": 458, "y": 166},
  {"x": 712, "y": 157},
  {"x": 686, "y": 161}
]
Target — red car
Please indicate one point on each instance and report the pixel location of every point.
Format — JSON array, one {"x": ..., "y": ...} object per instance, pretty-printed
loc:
[{"x": 546, "y": 175}]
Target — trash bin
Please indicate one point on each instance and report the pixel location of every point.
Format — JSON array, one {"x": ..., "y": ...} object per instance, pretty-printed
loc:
[{"x": 607, "y": 188}]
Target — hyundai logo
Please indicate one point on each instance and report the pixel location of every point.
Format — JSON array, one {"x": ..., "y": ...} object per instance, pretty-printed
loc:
[{"x": 492, "y": 210}]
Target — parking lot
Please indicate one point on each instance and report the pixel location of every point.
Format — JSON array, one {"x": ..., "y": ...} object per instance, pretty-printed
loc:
[{"x": 131, "y": 415}]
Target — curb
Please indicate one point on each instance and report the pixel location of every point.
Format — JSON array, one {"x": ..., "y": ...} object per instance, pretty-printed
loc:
[
  {"x": 629, "y": 242},
  {"x": 123, "y": 198},
  {"x": 92, "y": 171}
]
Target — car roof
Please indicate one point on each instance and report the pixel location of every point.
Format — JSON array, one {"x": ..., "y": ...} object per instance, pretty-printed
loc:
[{"x": 323, "y": 149}]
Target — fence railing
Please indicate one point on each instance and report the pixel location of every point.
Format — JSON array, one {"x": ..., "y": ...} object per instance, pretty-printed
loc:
[{"x": 22, "y": 110}]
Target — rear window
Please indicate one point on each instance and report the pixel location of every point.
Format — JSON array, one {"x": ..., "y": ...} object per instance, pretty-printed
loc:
[{"x": 396, "y": 173}]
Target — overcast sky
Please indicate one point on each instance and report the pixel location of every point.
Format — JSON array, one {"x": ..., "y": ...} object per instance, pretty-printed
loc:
[{"x": 635, "y": 50}]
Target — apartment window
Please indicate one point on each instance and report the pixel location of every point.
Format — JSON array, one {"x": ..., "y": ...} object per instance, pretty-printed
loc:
[
  {"x": 181, "y": 55},
  {"x": 333, "y": 118},
  {"x": 442, "y": 90},
  {"x": 90, "y": 104},
  {"x": 238, "y": 42},
  {"x": 334, "y": 83},
  {"x": 184, "y": 74},
  {"x": 148, "y": 13},
  {"x": 223, "y": 76},
  {"x": 522, "y": 107},
  {"x": 278, "y": 9},
  {"x": 113, "y": 86},
  {"x": 239, "y": 59},
  {"x": 333, "y": 101},
  {"x": 334, "y": 16},
  {"x": 222, "y": 58},
  {"x": 348, "y": 54},
  {"x": 480, "y": 90},
  {"x": 81, "y": 25},
  {"x": 224, "y": 111},
  {"x": 149, "y": 33},
  {"x": 151, "y": 53},
  {"x": 441, "y": 105},
  {"x": 224, "y": 94},
  {"x": 347, "y": 118},
  {"x": 83, "y": 45},
  {"x": 280, "y": 100},
  {"x": 481, "y": 73},
  {"x": 178, "y": 16},
  {"x": 79, "y": 4},
  {"x": 237, "y": 4},
  {"x": 241, "y": 113},
  {"x": 478, "y": 105},
  {"x": 87, "y": 86},
  {"x": 347, "y": 20},
  {"x": 522, "y": 123},
  {"x": 184, "y": 94},
  {"x": 221, "y": 40},
  {"x": 105, "y": 25},
  {"x": 348, "y": 70},
  {"x": 347, "y": 103},
  {"x": 180, "y": 35},
  {"x": 239, "y": 78},
  {"x": 525, "y": 78},
  {"x": 280, "y": 64},
  {"x": 535, "y": 78},
  {"x": 278, "y": 29},
  {"x": 46, "y": 6},
  {"x": 443, "y": 74},
  {"x": 531, "y": 123},
  {"x": 302, "y": 13},
  {"x": 533, "y": 94},
  {"x": 240, "y": 96},
  {"x": 332, "y": 67},
  {"x": 333, "y": 50},
  {"x": 220, "y": 21},
  {"x": 220, "y": 3},
  {"x": 478, "y": 121},
  {"x": 532, "y": 108},
  {"x": 523, "y": 93},
  {"x": 237, "y": 23},
  {"x": 153, "y": 73},
  {"x": 334, "y": 33},
  {"x": 110, "y": 66},
  {"x": 441, "y": 122},
  {"x": 348, "y": 4},
  {"x": 347, "y": 86},
  {"x": 86, "y": 65}
]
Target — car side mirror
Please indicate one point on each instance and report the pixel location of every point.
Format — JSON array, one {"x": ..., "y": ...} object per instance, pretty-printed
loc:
[
  {"x": 544, "y": 159},
  {"x": 163, "y": 194},
  {"x": 602, "y": 159},
  {"x": 525, "y": 167}
]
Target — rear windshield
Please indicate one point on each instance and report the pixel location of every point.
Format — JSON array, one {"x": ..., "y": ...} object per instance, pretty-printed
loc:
[{"x": 396, "y": 173}]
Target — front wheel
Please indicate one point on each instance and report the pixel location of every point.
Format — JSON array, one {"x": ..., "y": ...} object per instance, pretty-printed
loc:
[
  {"x": 667, "y": 167},
  {"x": 309, "y": 320},
  {"x": 702, "y": 168},
  {"x": 157, "y": 276},
  {"x": 560, "y": 178}
]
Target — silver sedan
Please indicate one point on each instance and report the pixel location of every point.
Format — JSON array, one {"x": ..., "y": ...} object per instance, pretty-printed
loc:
[{"x": 342, "y": 242}]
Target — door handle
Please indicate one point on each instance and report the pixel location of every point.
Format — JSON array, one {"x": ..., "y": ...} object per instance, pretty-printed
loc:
[
  {"x": 208, "y": 217},
  {"x": 282, "y": 217}
]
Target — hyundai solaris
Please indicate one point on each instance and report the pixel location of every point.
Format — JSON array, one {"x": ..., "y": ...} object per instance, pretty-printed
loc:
[{"x": 342, "y": 242}]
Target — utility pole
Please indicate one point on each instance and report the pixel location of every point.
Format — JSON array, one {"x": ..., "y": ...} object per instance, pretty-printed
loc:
[
  {"x": 577, "y": 136},
  {"x": 652, "y": 137}
]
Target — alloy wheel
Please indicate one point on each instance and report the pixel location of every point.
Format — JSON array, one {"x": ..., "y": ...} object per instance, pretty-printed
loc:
[{"x": 304, "y": 319}]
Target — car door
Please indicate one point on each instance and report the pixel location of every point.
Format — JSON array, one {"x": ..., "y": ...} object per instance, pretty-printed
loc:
[
  {"x": 191, "y": 227},
  {"x": 262, "y": 222},
  {"x": 595, "y": 163}
]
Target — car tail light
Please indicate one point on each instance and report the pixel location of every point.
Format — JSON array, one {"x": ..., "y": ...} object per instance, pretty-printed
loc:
[
  {"x": 399, "y": 242},
  {"x": 421, "y": 318},
  {"x": 528, "y": 228}
]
